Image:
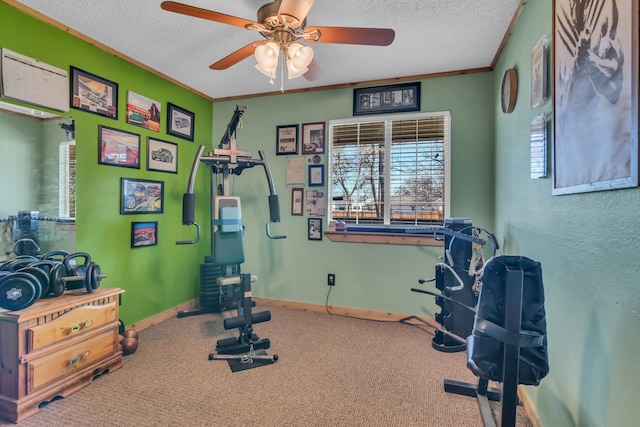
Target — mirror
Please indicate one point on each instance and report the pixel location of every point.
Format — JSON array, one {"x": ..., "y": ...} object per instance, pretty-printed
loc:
[{"x": 37, "y": 207}]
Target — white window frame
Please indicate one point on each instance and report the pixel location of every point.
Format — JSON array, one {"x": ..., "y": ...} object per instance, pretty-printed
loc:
[{"x": 388, "y": 119}]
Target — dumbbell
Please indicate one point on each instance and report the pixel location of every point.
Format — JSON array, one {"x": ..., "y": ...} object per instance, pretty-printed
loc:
[{"x": 65, "y": 276}]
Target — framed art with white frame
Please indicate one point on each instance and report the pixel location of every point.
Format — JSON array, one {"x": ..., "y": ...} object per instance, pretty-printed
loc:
[{"x": 539, "y": 73}]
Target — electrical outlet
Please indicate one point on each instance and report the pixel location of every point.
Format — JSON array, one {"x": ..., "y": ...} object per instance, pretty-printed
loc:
[{"x": 331, "y": 279}]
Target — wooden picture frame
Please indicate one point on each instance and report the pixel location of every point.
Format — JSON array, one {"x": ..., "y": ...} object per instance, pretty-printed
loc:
[
  {"x": 316, "y": 176},
  {"x": 141, "y": 196},
  {"x": 314, "y": 229},
  {"x": 144, "y": 234},
  {"x": 117, "y": 147},
  {"x": 313, "y": 138},
  {"x": 539, "y": 72},
  {"x": 297, "y": 201},
  {"x": 180, "y": 122},
  {"x": 286, "y": 139},
  {"x": 143, "y": 111},
  {"x": 93, "y": 94},
  {"x": 386, "y": 99},
  {"x": 595, "y": 108},
  {"x": 162, "y": 156}
]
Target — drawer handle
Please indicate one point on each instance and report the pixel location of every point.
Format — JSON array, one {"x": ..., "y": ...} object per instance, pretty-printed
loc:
[
  {"x": 74, "y": 328},
  {"x": 75, "y": 358},
  {"x": 87, "y": 323}
]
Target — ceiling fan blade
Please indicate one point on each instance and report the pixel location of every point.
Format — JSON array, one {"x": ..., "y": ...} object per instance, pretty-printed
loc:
[
  {"x": 314, "y": 72},
  {"x": 197, "y": 12},
  {"x": 353, "y": 35},
  {"x": 235, "y": 57},
  {"x": 295, "y": 8}
]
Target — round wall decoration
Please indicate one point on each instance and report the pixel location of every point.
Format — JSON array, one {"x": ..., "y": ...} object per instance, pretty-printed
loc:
[{"x": 509, "y": 90}]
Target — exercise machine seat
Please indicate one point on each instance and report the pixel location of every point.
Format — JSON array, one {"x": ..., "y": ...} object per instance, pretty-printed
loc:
[{"x": 486, "y": 342}]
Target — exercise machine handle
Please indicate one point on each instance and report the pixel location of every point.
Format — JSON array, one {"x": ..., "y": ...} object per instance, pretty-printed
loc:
[
  {"x": 274, "y": 204},
  {"x": 189, "y": 201}
]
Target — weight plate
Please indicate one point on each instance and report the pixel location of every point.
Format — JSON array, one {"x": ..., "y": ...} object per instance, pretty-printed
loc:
[
  {"x": 41, "y": 276},
  {"x": 56, "y": 285},
  {"x": 17, "y": 292},
  {"x": 96, "y": 276},
  {"x": 88, "y": 277},
  {"x": 44, "y": 265}
]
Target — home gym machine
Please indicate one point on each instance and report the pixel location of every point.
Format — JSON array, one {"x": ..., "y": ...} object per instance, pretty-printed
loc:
[{"x": 222, "y": 284}]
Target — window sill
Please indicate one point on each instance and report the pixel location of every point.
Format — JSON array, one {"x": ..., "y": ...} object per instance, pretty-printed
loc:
[{"x": 383, "y": 238}]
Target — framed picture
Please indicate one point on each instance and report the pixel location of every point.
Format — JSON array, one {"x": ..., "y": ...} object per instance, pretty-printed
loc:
[
  {"x": 93, "y": 94},
  {"x": 180, "y": 122},
  {"x": 386, "y": 99},
  {"x": 118, "y": 147},
  {"x": 314, "y": 227},
  {"x": 143, "y": 111},
  {"x": 144, "y": 234},
  {"x": 316, "y": 175},
  {"x": 316, "y": 202},
  {"x": 595, "y": 110},
  {"x": 162, "y": 156},
  {"x": 297, "y": 201},
  {"x": 141, "y": 196},
  {"x": 313, "y": 138},
  {"x": 539, "y": 73},
  {"x": 287, "y": 139}
]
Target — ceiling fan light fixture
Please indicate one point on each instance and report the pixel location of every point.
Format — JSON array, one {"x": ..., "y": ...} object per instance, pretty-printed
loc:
[
  {"x": 267, "y": 54},
  {"x": 299, "y": 54}
]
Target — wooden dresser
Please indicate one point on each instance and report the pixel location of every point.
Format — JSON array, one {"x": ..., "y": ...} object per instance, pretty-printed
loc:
[{"x": 56, "y": 347}]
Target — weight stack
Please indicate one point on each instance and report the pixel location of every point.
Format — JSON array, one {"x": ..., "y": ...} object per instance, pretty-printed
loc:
[{"x": 454, "y": 318}]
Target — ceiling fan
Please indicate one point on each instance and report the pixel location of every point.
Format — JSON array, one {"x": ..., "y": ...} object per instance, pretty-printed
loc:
[{"x": 283, "y": 24}]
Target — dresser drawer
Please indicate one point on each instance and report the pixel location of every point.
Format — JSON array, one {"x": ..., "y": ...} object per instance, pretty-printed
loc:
[
  {"x": 44, "y": 370},
  {"x": 73, "y": 323}
]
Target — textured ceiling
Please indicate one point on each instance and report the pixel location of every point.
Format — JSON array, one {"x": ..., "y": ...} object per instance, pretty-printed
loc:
[{"x": 432, "y": 36}]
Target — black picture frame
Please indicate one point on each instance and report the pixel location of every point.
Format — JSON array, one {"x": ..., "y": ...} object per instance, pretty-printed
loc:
[
  {"x": 297, "y": 201},
  {"x": 180, "y": 122},
  {"x": 314, "y": 228},
  {"x": 141, "y": 196},
  {"x": 144, "y": 234},
  {"x": 118, "y": 147},
  {"x": 93, "y": 94},
  {"x": 313, "y": 141},
  {"x": 286, "y": 139},
  {"x": 162, "y": 156},
  {"x": 396, "y": 98}
]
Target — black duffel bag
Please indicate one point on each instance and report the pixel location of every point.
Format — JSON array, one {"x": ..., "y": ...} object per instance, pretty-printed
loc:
[{"x": 485, "y": 344}]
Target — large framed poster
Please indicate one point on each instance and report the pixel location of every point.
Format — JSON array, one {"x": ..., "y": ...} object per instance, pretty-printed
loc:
[{"x": 596, "y": 95}]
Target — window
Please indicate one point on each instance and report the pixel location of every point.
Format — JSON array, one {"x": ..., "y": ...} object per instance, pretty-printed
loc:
[
  {"x": 67, "y": 179},
  {"x": 390, "y": 170}
]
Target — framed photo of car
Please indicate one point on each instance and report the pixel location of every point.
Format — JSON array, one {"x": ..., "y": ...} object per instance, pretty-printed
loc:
[
  {"x": 144, "y": 234},
  {"x": 143, "y": 111},
  {"x": 118, "y": 147},
  {"x": 93, "y": 94},
  {"x": 141, "y": 196},
  {"x": 162, "y": 156},
  {"x": 180, "y": 122}
]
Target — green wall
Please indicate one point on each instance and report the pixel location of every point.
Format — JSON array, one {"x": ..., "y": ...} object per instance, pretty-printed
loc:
[
  {"x": 588, "y": 246},
  {"x": 368, "y": 276},
  {"x": 155, "y": 278}
]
